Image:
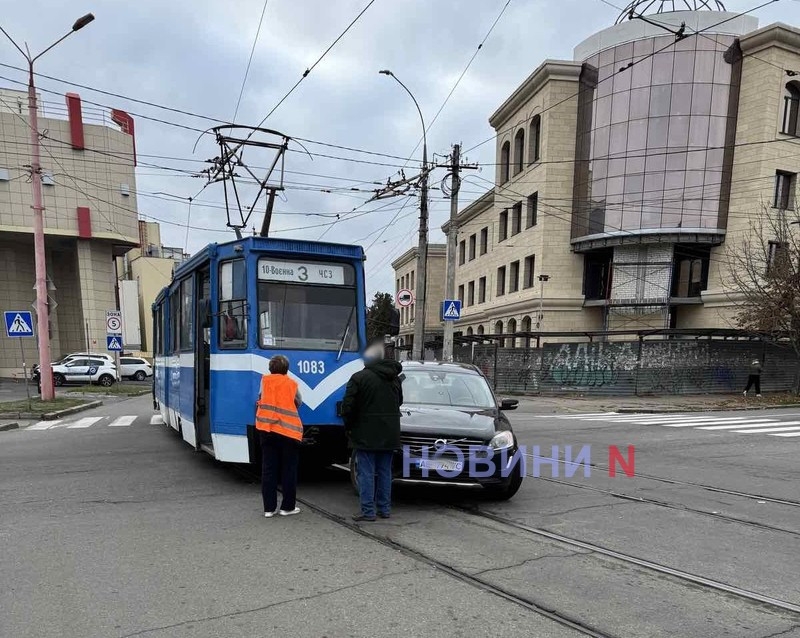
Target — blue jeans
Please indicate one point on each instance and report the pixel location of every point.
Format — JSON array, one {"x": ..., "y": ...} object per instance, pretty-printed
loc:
[{"x": 374, "y": 473}]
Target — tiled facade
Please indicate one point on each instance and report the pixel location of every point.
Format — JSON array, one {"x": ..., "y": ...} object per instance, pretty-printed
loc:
[
  {"x": 90, "y": 216},
  {"x": 628, "y": 175}
]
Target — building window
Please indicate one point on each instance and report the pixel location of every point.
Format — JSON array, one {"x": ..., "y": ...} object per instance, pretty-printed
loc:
[
  {"x": 484, "y": 240},
  {"x": 776, "y": 258},
  {"x": 505, "y": 152},
  {"x": 530, "y": 263},
  {"x": 784, "y": 190},
  {"x": 501, "y": 281},
  {"x": 791, "y": 108},
  {"x": 461, "y": 293},
  {"x": 462, "y": 253},
  {"x": 511, "y": 329},
  {"x": 480, "y": 330},
  {"x": 471, "y": 293},
  {"x": 472, "y": 242},
  {"x": 519, "y": 151},
  {"x": 482, "y": 290},
  {"x": 412, "y": 280},
  {"x": 513, "y": 281},
  {"x": 532, "y": 217},
  {"x": 469, "y": 332},
  {"x": 498, "y": 330},
  {"x": 534, "y": 139},
  {"x": 503, "y": 226},
  {"x": 516, "y": 219}
]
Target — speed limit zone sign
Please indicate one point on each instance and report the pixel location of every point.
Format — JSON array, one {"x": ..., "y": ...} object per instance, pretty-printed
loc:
[
  {"x": 113, "y": 322},
  {"x": 405, "y": 297}
]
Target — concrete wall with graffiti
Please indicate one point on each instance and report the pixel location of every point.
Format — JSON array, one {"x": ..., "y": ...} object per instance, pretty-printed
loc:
[{"x": 633, "y": 368}]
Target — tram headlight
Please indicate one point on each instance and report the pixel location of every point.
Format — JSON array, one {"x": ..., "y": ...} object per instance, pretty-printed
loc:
[{"x": 502, "y": 440}]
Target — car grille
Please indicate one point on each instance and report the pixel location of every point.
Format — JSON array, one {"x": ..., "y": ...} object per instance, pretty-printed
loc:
[{"x": 416, "y": 443}]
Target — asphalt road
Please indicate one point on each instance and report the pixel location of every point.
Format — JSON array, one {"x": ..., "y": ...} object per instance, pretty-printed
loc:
[{"x": 112, "y": 526}]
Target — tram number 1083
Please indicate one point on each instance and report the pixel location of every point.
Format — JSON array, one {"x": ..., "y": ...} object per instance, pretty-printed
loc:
[{"x": 311, "y": 367}]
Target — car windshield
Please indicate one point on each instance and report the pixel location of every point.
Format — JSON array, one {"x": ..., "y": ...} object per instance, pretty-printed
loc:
[{"x": 437, "y": 387}]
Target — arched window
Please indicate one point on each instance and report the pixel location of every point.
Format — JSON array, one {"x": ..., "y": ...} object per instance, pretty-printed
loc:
[
  {"x": 791, "y": 108},
  {"x": 534, "y": 139},
  {"x": 469, "y": 332},
  {"x": 519, "y": 151},
  {"x": 526, "y": 327},
  {"x": 498, "y": 330},
  {"x": 512, "y": 328},
  {"x": 480, "y": 330},
  {"x": 505, "y": 153}
]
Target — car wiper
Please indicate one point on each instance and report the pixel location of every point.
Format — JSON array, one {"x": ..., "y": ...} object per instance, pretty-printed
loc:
[{"x": 346, "y": 332}]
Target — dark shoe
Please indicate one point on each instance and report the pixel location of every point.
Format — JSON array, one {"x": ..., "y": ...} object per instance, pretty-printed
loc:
[
  {"x": 362, "y": 517},
  {"x": 384, "y": 515}
]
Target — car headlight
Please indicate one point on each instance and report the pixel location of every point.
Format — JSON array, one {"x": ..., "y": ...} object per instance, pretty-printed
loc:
[{"x": 502, "y": 440}]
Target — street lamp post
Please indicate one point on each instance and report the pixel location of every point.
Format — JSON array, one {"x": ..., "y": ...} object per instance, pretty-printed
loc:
[
  {"x": 418, "y": 350},
  {"x": 42, "y": 314},
  {"x": 543, "y": 279}
]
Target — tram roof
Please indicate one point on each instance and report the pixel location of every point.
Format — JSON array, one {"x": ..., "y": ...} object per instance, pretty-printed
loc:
[{"x": 286, "y": 246}]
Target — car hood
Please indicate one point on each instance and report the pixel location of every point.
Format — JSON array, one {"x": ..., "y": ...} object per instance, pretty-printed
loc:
[{"x": 434, "y": 420}]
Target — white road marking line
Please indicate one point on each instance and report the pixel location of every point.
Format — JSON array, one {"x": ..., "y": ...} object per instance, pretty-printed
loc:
[
  {"x": 157, "y": 419},
  {"x": 789, "y": 434},
  {"x": 122, "y": 421},
  {"x": 781, "y": 429},
  {"x": 571, "y": 416},
  {"x": 763, "y": 423},
  {"x": 43, "y": 425},
  {"x": 698, "y": 420},
  {"x": 86, "y": 422},
  {"x": 740, "y": 420}
]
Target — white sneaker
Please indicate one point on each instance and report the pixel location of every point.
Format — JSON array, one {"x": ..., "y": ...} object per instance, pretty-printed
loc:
[
  {"x": 269, "y": 514},
  {"x": 296, "y": 510},
  {"x": 744, "y": 393}
]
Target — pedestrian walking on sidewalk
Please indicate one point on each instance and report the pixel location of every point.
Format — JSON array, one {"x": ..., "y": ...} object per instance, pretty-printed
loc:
[
  {"x": 754, "y": 378},
  {"x": 280, "y": 432},
  {"x": 371, "y": 412}
]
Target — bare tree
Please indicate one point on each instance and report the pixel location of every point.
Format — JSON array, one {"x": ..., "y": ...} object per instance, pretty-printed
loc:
[{"x": 765, "y": 272}]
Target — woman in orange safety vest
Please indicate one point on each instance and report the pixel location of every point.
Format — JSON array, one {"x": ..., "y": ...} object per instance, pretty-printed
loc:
[{"x": 280, "y": 431}]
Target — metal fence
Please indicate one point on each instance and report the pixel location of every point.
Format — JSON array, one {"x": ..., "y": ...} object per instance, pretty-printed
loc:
[{"x": 641, "y": 367}]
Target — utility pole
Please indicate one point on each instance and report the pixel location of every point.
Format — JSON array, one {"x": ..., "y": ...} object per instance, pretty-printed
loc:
[
  {"x": 42, "y": 310},
  {"x": 452, "y": 241},
  {"x": 418, "y": 350}
]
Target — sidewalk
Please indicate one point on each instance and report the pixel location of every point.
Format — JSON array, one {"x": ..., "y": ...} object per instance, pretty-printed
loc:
[{"x": 671, "y": 403}]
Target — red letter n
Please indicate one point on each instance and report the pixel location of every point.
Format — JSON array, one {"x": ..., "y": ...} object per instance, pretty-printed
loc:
[{"x": 615, "y": 456}]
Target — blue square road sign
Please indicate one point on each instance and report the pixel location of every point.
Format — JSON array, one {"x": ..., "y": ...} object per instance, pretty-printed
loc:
[
  {"x": 451, "y": 310},
  {"x": 19, "y": 323},
  {"x": 113, "y": 343}
]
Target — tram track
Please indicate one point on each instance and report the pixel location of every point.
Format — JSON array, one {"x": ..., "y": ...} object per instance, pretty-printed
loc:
[{"x": 675, "y": 506}]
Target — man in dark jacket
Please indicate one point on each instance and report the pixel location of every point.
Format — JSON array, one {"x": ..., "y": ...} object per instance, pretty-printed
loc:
[
  {"x": 371, "y": 412},
  {"x": 754, "y": 378}
]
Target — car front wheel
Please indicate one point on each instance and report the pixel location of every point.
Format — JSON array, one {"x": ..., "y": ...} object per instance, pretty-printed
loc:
[
  {"x": 106, "y": 381},
  {"x": 58, "y": 380},
  {"x": 507, "y": 488},
  {"x": 140, "y": 375}
]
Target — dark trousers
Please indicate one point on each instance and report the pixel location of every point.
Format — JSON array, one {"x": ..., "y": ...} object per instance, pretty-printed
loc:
[
  {"x": 754, "y": 379},
  {"x": 374, "y": 473},
  {"x": 278, "y": 452}
]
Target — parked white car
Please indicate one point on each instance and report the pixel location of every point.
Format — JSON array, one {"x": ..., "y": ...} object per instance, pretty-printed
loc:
[
  {"x": 85, "y": 370},
  {"x": 135, "y": 368}
]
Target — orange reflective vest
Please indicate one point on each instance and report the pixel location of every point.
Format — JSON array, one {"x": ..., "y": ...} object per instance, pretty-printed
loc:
[{"x": 276, "y": 410}]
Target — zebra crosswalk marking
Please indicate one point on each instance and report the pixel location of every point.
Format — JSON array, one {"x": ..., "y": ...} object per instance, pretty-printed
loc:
[
  {"x": 156, "y": 419},
  {"x": 756, "y": 423},
  {"x": 86, "y": 422},
  {"x": 43, "y": 425},
  {"x": 122, "y": 421},
  {"x": 787, "y": 434},
  {"x": 779, "y": 429}
]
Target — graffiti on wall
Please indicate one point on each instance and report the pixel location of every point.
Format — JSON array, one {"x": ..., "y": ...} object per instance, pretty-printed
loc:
[{"x": 590, "y": 364}]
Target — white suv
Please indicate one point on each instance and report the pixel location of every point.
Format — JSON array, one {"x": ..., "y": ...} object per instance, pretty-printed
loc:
[
  {"x": 135, "y": 368},
  {"x": 85, "y": 370}
]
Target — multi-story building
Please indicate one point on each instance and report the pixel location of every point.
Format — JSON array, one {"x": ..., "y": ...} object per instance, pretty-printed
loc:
[
  {"x": 626, "y": 176},
  {"x": 405, "y": 269},
  {"x": 90, "y": 217},
  {"x": 143, "y": 272}
]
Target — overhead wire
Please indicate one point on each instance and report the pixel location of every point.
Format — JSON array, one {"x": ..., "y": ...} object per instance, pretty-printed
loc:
[{"x": 250, "y": 60}]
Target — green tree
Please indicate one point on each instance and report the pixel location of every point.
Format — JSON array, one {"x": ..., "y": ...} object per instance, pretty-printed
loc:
[{"x": 379, "y": 316}]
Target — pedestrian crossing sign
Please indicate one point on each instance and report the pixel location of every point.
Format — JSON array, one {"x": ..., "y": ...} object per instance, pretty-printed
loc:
[
  {"x": 114, "y": 343},
  {"x": 451, "y": 310},
  {"x": 19, "y": 323}
]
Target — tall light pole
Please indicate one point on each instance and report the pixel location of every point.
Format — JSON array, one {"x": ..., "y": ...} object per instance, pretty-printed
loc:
[
  {"x": 42, "y": 314},
  {"x": 418, "y": 349},
  {"x": 543, "y": 279}
]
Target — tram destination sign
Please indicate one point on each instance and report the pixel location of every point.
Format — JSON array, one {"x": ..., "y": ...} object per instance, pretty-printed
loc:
[{"x": 301, "y": 272}]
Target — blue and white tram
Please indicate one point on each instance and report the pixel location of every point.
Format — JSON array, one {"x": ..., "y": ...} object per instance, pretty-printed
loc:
[{"x": 233, "y": 306}]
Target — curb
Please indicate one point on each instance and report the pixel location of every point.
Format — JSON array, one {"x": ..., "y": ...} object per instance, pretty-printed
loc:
[
  {"x": 9, "y": 426},
  {"x": 51, "y": 416},
  {"x": 112, "y": 396}
]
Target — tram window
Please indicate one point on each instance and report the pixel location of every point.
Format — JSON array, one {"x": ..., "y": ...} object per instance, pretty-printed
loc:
[
  {"x": 233, "y": 304},
  {"x": 307, "y": 317},
  {"x": 175, "y": 321},
  {"x": 186, "y": 315}
]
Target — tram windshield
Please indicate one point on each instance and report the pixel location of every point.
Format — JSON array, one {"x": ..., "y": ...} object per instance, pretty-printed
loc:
[{"x": 307, "y": 317}]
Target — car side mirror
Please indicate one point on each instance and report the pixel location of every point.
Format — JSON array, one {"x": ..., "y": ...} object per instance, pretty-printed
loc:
[{"x": 509, "y": 404}]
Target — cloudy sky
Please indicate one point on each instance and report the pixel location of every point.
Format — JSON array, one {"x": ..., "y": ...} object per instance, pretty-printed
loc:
[{"x": 192, "y": 55}]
